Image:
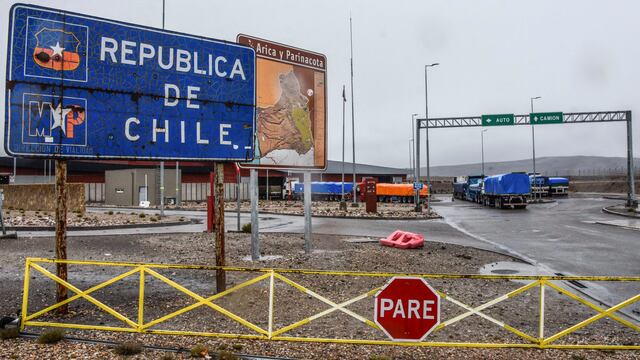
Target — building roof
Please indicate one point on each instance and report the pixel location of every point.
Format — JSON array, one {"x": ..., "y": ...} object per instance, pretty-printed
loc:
[{"x": 335, "y": 167}]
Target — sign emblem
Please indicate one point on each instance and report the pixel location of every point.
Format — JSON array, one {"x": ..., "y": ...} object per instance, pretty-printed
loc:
[
  {"x": 57, "y": 50},
  {"x": 53, "y": 120}
]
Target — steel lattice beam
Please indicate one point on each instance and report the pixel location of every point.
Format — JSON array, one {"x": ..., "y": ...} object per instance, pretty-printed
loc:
[{"x": 569, "y": 118}]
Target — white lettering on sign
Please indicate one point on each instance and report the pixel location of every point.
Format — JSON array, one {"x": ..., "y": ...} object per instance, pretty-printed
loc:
[
  {"x": 179, "y": 60},
  {"x": 223, "y": 133},
  {"x": 169, "y": 99},
  {"x": 127, "y": 129},
  {"x": 131, "y": 132},
  {"x": 192, "y": 94},
  {"x": 407, "y": 309}
]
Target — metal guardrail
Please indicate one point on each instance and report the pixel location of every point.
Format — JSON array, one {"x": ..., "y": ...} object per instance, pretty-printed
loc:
[{"x": 139, "y": 325}]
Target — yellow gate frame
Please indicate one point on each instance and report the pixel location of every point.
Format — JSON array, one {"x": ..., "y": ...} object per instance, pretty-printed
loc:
[{"x": 139, "y": 326}]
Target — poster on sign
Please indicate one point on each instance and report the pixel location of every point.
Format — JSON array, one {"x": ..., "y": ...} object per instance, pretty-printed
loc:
[{"x": 291, "y": 124}]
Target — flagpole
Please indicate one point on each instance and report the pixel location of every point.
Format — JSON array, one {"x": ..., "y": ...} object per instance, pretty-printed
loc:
[
  {"x": 353, "y": 121},
  {"x": 343, "y": 204}
]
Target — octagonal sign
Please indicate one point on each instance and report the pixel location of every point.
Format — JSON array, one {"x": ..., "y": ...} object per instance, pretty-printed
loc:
[{"x": 407, "y": 309}]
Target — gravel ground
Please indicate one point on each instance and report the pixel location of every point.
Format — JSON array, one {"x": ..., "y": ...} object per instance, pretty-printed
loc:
[
  {"x": 325, "y": 208},
  {"x": 285, "y": 251},
  {"x": 108, "y": 218}
]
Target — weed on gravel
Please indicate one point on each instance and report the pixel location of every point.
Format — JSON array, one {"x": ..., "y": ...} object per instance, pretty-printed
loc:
[
  {"x": 51, "y": 336},
  {"x": 128, "y": 348},
  {"x": 199, "y": 351},
  {"x": 10, "y": 333}
]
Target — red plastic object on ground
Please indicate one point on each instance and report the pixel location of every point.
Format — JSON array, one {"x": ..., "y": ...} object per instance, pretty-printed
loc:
[{"x": 403, "y": 240}]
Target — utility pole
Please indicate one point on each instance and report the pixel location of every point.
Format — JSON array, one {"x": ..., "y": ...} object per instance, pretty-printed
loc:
[{"x": 426, "y": 115}]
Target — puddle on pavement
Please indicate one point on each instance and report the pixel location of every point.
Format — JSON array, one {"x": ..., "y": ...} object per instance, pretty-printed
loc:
[
  {"x": 512, "y": 268},
  {"x": 264, "y": 258}
]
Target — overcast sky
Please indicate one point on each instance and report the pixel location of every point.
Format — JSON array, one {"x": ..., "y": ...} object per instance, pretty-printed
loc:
[{"x": 494, "y": 56}]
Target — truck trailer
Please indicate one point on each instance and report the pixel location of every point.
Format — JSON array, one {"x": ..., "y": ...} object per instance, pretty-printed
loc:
[
  {"x": 558, "y": 186},
  {"x": 324, "y": 190},
  {"x": 539, "y": 185},
  {"x": 467, "y": 187},
  {"x": 506, "y": 190}
]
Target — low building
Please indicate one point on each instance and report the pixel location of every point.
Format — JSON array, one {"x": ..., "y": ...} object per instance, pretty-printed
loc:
[{"x": 120, "y": 182}]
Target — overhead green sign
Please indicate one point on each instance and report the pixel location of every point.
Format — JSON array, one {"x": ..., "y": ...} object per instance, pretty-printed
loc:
[
  {"x": 546, "y": 118},
  {"x": 497, "y": 120}
]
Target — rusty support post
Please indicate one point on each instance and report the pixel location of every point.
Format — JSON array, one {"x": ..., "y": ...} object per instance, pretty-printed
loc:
[
  {"x": 218, "y": 221},
  {"x": 61, "y": 231}
]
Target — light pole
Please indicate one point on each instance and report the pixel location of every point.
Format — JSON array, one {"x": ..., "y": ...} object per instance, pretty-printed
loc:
[
  {"x": 410, "y": 157},
  {"x": 482, "y": 149},
  {"x": 533, "y": 143},
  {"x": 413, "y": 150},
  {"x": 426, "y": 117}
]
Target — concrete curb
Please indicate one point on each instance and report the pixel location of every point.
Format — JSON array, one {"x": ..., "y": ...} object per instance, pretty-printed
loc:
[
  {"x": 614, "y": 212},
  {"x": 106, "y": 227}
]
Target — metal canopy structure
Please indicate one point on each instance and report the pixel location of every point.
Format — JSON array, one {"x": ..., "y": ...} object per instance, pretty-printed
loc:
[{"x": 569, "y": 118}]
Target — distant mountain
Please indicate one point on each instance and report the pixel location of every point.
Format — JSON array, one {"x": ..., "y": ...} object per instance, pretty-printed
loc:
[{"x": 550, "y": 166}]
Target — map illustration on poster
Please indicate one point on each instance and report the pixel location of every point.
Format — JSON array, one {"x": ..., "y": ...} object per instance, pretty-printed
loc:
[{"x": 291, "y": 130}]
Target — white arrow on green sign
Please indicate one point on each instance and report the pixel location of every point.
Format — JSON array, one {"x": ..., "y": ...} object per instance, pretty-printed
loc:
[
  {"x": 497, "y": 120},
  {"x": 546, "y": 118}
]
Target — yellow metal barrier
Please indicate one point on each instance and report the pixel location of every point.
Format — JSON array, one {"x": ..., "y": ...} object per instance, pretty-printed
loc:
[{"x": 539, "y": 340}]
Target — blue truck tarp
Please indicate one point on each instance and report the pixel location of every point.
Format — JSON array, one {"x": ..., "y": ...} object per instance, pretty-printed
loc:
[
  {"x": 539, "y": 180},
  {"x": 324, "y": 187},
  {"x": 507, "y": 184},
  {"x": 558, "y": 181}
]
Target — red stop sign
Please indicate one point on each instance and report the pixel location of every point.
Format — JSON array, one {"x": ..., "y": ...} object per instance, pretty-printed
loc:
[{"x": 407, "y": 309}]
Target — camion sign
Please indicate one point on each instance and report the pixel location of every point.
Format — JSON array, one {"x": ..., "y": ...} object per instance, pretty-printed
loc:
[{"x": 85, "y": 87}]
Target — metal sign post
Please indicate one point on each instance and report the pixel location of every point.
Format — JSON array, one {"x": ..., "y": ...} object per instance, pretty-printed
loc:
[
  {"x": 418, "y": 208},
  {"x": 631, "y": 195},
  {"x": 238, "y": 198},
  {"x": 253, "y": 194},
  {"x": 61, "y": 232},
  {"x": 218, "y": 221},
  {"x": 308, "y": 247}
]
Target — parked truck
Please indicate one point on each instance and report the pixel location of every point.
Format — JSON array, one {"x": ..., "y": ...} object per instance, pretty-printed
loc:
[
  {"x": 539, "y": 185},
  {"x": 324, "y": 190},
  {"x": 506, "y": 190},
  {"x": 467, "y": 187},
  {"x": 558, "y": 186}
]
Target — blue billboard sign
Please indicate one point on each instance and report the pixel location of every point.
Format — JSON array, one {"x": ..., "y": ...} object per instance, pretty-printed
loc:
[{"x": 84, "y": 87}]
